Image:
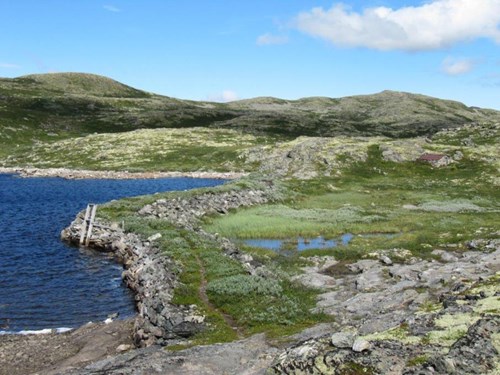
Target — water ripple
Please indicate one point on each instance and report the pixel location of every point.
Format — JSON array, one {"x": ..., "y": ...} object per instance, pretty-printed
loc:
[{"x": 45, "y": 283}]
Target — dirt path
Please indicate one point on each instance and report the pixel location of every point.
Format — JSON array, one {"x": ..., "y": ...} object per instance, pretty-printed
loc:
[{"x": 202, "y": 293}]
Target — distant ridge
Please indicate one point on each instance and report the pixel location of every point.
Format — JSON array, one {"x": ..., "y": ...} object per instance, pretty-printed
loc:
[{"x": 45, "y": 107}]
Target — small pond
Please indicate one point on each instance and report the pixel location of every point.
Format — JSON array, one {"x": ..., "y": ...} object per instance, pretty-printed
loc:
[{"x": 301, "y": 243}]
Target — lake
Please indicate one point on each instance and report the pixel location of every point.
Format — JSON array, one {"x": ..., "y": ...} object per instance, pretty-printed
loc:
[{"x": 45, "y": 283}]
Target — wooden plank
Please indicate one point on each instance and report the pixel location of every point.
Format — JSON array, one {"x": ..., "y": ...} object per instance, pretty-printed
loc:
[
  {"x": 83, "y": 231},
  {"x": 91, "y": 224}
]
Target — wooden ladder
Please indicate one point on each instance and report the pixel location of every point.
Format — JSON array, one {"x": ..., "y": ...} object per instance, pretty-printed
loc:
[{"x": 88, "y": 224}]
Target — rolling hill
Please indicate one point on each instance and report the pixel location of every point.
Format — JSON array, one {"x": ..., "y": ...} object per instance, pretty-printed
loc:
[{"x": 56, "y": 106}]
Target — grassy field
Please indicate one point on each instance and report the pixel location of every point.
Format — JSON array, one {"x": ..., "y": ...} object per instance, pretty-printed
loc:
[
  {"x": 46, "y": 108},
  {"x": 424, "y": 207},
  {"x": 274, "y": 305},
  {"x": 190, "y": 149}
]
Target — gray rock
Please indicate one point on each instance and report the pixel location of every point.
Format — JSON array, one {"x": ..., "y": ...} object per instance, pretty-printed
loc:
[
  {"x": 251, "y": 356},
  {"x": 370, "y": 280},
  {"x": 386, "y": 260},
  {"x": 361, "y": 345},
  {"x": 458, "y": 155},
  {"x": 343, "y": 339},
  {"x": 154, "y": 237},
  {"x": 316, "y": 280}
]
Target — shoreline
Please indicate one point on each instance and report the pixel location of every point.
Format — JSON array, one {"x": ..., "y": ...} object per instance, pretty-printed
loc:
[
  {"x": 78, "y": 174},
  {"x": 60, "y": 352}
]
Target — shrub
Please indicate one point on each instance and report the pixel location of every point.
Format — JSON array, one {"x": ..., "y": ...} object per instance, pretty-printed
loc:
[{"x": 244, "y": 285}]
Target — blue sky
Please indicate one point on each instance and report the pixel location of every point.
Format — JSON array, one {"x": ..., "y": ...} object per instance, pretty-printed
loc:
[{"x": 225, "y": 50}]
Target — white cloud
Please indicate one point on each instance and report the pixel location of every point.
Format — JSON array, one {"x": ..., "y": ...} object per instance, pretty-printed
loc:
[
  {"x": 9, "y": 66},
  {"x": 224, "y": 96},
  {"x": 112, "y": 8},
  {"x": 454, "y": 67},
  {"x": 432, "y": 25},
  {"x": 269, "y": 39}
]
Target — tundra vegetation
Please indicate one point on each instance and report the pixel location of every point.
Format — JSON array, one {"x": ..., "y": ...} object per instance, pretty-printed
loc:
[{"x": 343, "y": 166}]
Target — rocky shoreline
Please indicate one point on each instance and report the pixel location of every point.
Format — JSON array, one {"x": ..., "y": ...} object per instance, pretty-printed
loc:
[
  {"x": 75, "y": 174},
  {"x": 151, "y": 274}
]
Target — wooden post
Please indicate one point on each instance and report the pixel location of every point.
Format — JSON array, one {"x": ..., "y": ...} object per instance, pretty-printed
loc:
[
  {"x": 83, "y": 232},
  {"x": 91, "y": 223}
]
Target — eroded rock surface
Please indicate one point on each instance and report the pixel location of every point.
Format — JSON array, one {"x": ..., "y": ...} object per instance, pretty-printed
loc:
[
  {"x": 250, "y": 356},
  {"x": 418, "y": 317},
  {"x": 52, "y": 353}
]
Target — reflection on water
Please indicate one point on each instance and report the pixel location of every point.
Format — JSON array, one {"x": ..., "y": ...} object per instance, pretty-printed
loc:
[{"x": 301, "y": 244}]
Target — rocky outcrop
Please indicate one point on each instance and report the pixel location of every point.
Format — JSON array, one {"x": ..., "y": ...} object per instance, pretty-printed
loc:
[
  {"x": 379, "y": 294},
  {"x": 251, "y": 356},
  {"x": 474, "y": 353},
  {"x": 402, "y": 315}
]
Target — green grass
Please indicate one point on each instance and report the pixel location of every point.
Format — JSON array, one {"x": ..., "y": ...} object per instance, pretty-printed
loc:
[
  {"x": 275, "y": 306},
  {"x": 424, "y": 207},
  {"x": 40, "y": 110}
]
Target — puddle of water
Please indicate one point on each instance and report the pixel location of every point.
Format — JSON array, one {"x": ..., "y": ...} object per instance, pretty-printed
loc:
[{"x": 300, "y": 244}]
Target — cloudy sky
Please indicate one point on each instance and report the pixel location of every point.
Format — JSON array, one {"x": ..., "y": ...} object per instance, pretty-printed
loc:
[{"x": 225, "y": 50}]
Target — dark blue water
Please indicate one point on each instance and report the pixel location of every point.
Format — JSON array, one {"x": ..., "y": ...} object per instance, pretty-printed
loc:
[{"x": 43, "y": 282}]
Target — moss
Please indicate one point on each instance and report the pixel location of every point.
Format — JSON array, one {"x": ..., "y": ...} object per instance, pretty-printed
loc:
[
  {"x": 495, "y": 340},
  {"x": 400, "y": 334},
  {"x": 417, "y": 361},
  {"x": 489, "y": 305},
  {"x": 429, "y": 307},
  {"x": 452, "y": 328},
  {"x": 489, "y": 286}
]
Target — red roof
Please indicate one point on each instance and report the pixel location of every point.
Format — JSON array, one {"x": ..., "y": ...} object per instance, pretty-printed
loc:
[{"x": 431, "y": 157}]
